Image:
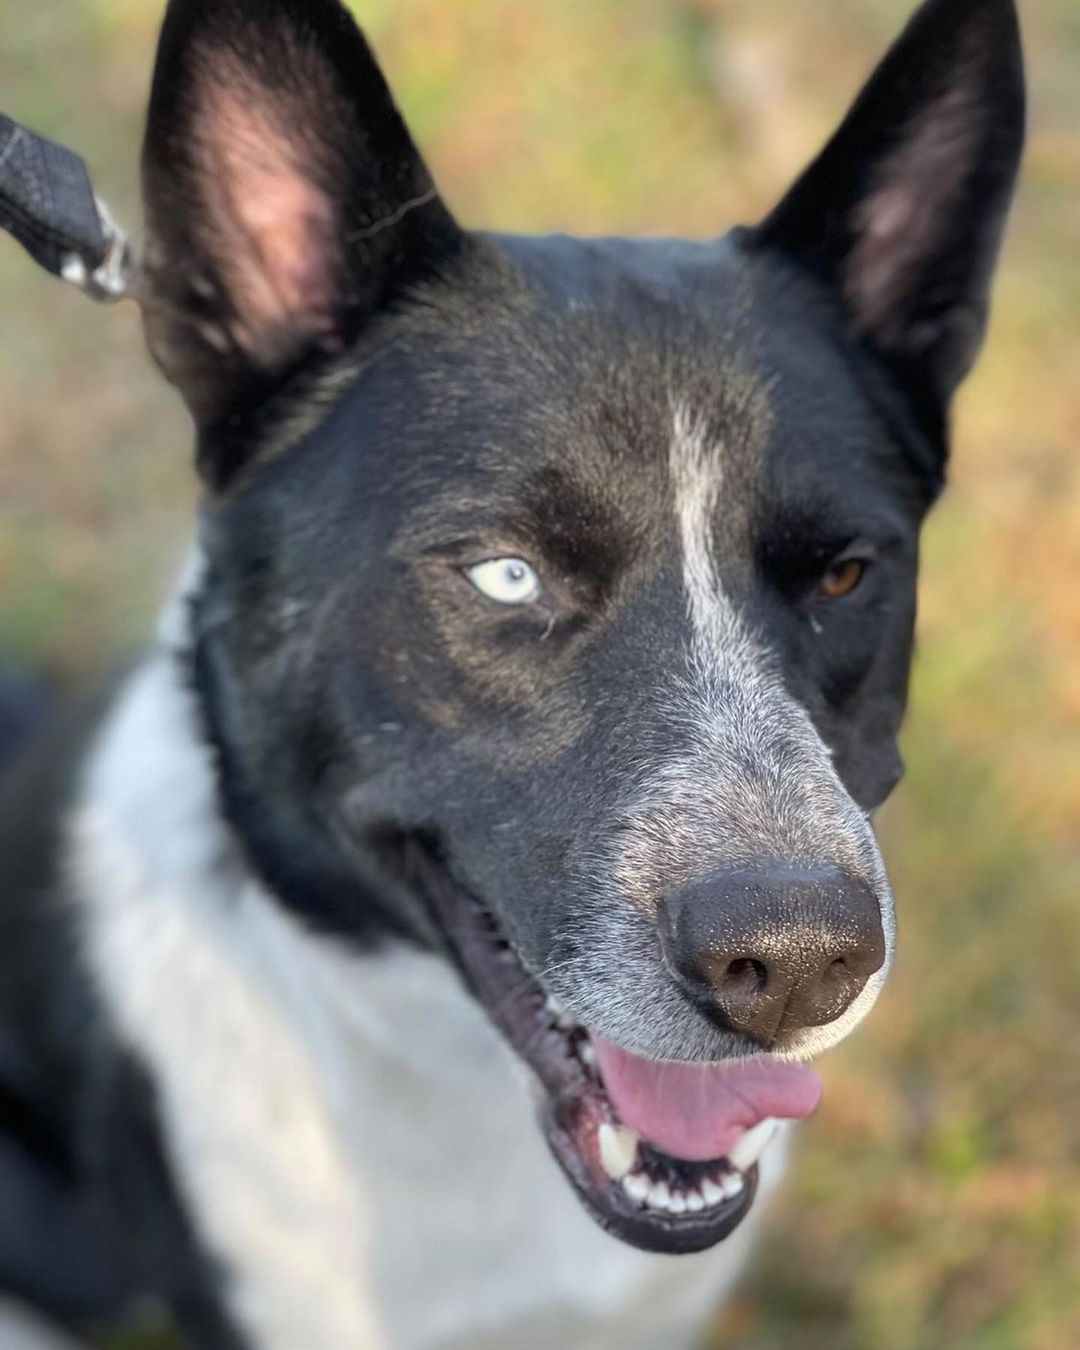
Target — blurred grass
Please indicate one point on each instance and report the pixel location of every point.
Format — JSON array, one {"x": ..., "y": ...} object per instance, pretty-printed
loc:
[{"x": 936, "y": 1200}]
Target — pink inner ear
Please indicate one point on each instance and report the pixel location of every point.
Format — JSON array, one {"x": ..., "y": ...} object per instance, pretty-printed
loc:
[
  {"x": 274, "y": 229},
  {"x": 900, "y": 222}
]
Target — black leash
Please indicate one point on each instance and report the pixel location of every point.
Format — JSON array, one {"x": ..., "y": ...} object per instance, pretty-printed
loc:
[{"x": 47, "y": 203}]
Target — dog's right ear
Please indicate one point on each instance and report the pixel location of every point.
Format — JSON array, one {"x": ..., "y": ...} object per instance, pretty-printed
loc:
[
  {"x": 285, "y": 201},
  {"x": 902, "y": 213}
]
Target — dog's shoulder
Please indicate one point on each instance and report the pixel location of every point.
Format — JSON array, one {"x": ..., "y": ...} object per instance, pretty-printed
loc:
[
  {"x": 82, "y": 1166},
  {"x": 45, "y": 1003}
]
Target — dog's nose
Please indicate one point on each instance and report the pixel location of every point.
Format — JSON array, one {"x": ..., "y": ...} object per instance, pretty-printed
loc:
[{"x": 773, "y": 949}]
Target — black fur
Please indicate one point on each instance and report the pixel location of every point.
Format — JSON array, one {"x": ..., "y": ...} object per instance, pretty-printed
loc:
[{"x": 25, "y": 706}]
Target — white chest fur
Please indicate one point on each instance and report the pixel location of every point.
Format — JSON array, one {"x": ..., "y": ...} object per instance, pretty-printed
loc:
[{"x": 355, "y": 1143}]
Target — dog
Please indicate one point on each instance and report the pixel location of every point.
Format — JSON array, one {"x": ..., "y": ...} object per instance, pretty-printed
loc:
[{"x": 423, "y": 943}]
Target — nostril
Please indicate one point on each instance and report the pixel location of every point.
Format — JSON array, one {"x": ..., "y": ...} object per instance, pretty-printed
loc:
[{"x": 744, "y": 977}]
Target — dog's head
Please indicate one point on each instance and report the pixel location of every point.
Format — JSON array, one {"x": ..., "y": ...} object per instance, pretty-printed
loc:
[{"x": 559, "y": 594}]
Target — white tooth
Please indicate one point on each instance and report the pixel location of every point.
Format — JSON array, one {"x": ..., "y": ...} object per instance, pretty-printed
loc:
[
  {"x": 618, "y": 1150},
  {"x": 712, "y": 1193},
  {"x": 677, "y": 1203},
  {"x": 731, "y": 1185},
  {"x": 695, "y": 1202},
  {"x": 637, "y": 1187},
  {"x": 555, "y": 1010},
  {"x": 749, "y": 1147},
  {"x": 586, "y": 1053},
  {"x": 659, "y": 1196}
]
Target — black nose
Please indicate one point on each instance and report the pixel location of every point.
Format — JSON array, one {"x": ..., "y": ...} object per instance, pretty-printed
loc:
[{"x": 774, "y": 948}]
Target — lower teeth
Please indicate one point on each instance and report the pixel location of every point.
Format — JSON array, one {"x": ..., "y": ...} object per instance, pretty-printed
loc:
[
  {"x": 657, "y": 1196},
  {"x": 637, "y": 1187}
]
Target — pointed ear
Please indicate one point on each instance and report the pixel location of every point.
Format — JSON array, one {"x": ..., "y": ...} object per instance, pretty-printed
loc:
[
  {"x": 285, "y": 201},
  {"x": 904, "y": 210}
]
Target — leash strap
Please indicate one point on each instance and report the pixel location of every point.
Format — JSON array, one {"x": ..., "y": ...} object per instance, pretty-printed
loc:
[{"x": 47, "y": 203}]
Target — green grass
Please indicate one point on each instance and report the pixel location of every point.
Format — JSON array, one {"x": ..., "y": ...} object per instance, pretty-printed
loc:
[{"x": 936, "y": 1200}]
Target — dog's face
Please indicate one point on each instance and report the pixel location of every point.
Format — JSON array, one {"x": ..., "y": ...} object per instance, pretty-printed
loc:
[{"x": 559, "y": 594}]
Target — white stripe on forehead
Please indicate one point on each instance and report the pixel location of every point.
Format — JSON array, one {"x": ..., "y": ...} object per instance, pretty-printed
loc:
[{"x": 697, "y": 479}]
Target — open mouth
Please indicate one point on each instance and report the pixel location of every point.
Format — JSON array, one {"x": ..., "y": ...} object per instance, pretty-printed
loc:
[{"x": 663, "y": 1154}]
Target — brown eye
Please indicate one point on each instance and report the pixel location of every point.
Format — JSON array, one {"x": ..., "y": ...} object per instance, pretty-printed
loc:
[{"x": 842, "y": 578}]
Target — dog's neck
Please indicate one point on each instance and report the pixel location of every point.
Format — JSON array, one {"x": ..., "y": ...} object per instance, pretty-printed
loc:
[{"x": 299, "y": 859}]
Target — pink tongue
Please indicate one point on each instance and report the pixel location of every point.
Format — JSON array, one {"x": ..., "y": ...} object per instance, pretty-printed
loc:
[{"x": 697, "y": 1111}]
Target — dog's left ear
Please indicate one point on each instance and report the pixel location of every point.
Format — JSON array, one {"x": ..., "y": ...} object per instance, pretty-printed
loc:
[
  {"x": 904, "y": 210},
  {"x": 285, "y": 201}
]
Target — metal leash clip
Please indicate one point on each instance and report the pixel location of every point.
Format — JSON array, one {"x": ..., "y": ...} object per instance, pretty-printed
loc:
[
  {"x": 112, "y": 278},
  {"x": 48, "y": 204}
]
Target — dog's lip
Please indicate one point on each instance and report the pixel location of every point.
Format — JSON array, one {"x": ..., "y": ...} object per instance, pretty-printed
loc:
[{"x": 574, "y": 1103}]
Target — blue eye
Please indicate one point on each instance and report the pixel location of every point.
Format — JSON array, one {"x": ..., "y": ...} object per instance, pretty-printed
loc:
[{"x": 510, "y": 581}]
